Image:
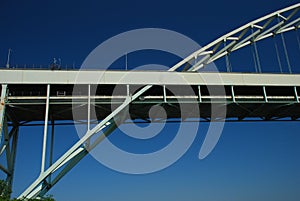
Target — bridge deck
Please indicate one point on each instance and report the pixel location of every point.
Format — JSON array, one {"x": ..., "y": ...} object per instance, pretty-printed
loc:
[
  {"x": 265, "y": 96},
  {"x": 145, "y": 77}
]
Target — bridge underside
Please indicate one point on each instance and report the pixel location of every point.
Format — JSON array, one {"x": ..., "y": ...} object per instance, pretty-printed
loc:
[{"x": 27, "y": 103}]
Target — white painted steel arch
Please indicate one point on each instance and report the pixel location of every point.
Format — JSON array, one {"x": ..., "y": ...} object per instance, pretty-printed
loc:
[{"x": 278, "y": 22}]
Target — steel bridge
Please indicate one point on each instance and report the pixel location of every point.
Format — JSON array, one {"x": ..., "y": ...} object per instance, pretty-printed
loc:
[{"x": 29, "y": 97}]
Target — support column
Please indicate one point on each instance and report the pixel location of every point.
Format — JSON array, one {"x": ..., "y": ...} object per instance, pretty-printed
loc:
[
  {"x": 265, "y": 94},
  {"x": 12, "y": 160},
  {"x": 88, "y": 114},
  {"x": 9, "y": 147},
  {"x": 51, "y": 145},
  {"x": 199, "y": 94},
  {"x": 296, "y": 94},
  {"x": 2, "y": 107},
  {"x": 89, "y": 108},
  {"x": 45, "y": 130},
  {"x": 232, "y": 93},
  {"x": 165, "y": 93},
  {"x": 76, "y": 159}
]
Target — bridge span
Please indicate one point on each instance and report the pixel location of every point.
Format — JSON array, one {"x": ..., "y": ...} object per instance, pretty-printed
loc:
[
  {"x": 54, "y": 97},
  {"x": 246, "y": 95}
]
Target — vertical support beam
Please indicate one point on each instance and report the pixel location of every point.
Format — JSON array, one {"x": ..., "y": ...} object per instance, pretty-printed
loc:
[
  {"x": 127, "y": 90},
  {"x": 265, "y": 94},
  {"x": 51, "y": 145},
  {"x": 199, "y": 94},
  {"x": 72, "y": 162},
  {"x": 2, "y": 107},
  {"x": 8, "y": 58},
  {"x": 232, "y": 93},
  {"x": 165, "y": 93},
  {"x": 286, "y": 53},
  {"x": 7, "y": 140},
  {"x": 7, "y": 148},
  {"x": 277, "y": 54},
  {"x": 296, "y": 94},
  {"x": 87, "y": 144},
  {"x": 12, "y": 160},
  {"x": 257, "y": 57},
  {"x": 227, "y": 61},
  {"x": 45, "y": 130},
  {"x": 126, "y": 62},
  {"x": 255, "y": 53},
  {"x": 89, "y": 109},
  {"x": 10, "y": 147}
]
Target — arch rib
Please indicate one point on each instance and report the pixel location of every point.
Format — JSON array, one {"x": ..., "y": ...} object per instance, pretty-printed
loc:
[{"x": 286, "y": 23}]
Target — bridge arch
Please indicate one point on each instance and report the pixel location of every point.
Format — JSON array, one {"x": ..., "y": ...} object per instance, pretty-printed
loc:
[{"x": 276, "y": 23}]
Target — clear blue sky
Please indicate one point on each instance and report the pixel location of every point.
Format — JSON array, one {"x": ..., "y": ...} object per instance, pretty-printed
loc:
[{"x": 252, "y": 161}]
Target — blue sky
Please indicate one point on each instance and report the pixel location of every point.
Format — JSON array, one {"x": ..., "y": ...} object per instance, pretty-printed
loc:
[{"x": 252, "y": 161}]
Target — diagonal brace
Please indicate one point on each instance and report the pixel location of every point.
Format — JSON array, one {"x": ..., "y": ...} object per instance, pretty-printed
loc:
[{"x": 79, "y": 143}]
